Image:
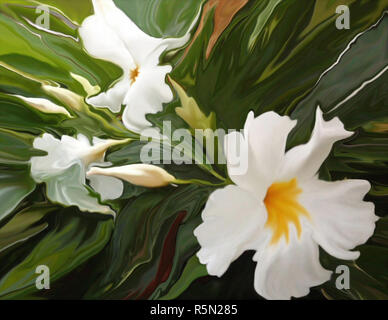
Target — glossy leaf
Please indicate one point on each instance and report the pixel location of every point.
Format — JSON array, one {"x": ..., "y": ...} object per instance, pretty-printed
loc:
[{"x": 24, "y": 225}]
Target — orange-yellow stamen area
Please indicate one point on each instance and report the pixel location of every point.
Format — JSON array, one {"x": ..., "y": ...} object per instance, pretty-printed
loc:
[
  {"x": 284, "y": 209},
  {"x": 134, "y": 73}
]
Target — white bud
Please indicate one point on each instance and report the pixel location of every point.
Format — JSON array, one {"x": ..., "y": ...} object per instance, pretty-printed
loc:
[
  {"x": 145, "y": 175},
  {"x": 68, "y": 97},
  {"x": 44, "y": 105}
]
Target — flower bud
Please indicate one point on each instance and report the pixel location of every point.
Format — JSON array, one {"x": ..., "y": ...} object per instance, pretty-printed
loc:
[
  {"x": 66, "y": 96},
  {"x": 44, "y": 105},
  {"x": 145, "y": 175}
]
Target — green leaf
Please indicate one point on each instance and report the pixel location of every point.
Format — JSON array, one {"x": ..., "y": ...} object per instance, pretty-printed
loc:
[
  {"x": 24, "y": 225},
  {"x": 162, "y": 18},
  {"x": 368, "y": 275},
  {"x": 193, "y": 270},
  {"x": 16, "y": 148},
  {"x": 381, "y": 233},
  {"x": 74, "y": 10},
  {"x": 355, "y": 101},
  {"x": 190, "y": 111},
  {"x": 71, "y": 240},
  {"x": 14, "y": 187},
  {"x": 43, "y": 56},
  {"x": 296, "y": 41},
  {"x": 15, "y": 116}
]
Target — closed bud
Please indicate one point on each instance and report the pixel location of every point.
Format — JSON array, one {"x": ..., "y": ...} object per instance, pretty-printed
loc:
[
  {"x": 145, "y": 175},
  {"x": 66, "y": 96},
  {"x": 44, "y": 105}
]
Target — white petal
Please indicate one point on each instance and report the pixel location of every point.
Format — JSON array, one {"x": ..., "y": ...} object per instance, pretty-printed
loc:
[
  {"x": 304, "y": 161},
  {"x": 68, "y": 188},
  {"x": 249, "y": 120},
  {"x": 146, "y": 95},
  {"x": 232, "y": 222},
  {"x": 109, "y": 188},
  {"x": 62, "y": 154},
  {"x": 267, "y": 136},
  {"x": 173, "y": 43},
  {"x": 101, "y": 41},
  {"x": 113, "y": 98},
  {"x": 239, "y": 160},
  {"x": 340, "y": 218},
  {"x": 138, "y": 43},
  {"x": 289, "y": 270}
]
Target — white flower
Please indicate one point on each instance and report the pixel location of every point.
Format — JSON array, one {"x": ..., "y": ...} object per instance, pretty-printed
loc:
[
  {"x": 63, "y": 170},
  {"x": 280, "y": 209},
  {"x": 145, "y": 175},
  {"x": 109, "y": 34}
]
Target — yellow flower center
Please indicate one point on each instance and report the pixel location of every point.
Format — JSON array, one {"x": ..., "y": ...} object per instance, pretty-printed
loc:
[
  {"x": 284, "y": 209},
  {"x": 134, "y": 74}
]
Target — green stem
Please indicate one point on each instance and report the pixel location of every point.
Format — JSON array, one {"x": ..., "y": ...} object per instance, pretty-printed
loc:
[
  {"x": 218, "y": 176},
  {"x": 198, "y": 181}
]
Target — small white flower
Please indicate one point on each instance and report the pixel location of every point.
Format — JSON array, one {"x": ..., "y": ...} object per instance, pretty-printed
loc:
[
  {"x": 64, "y": 168},
  {"x": 109, "y": 34},
  {"x": 280, "y": 209}
]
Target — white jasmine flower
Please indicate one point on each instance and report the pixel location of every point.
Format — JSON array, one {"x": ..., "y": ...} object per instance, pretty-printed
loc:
[
  {"x": 110, "y": 34},
  {"x": 281, "y": 209},
  {"x": 64, "y": 168}
]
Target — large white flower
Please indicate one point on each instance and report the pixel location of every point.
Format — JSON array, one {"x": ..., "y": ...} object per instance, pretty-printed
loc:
[
  {"x": 64, "y": 168},
  {"x": 280, "y": 209},
  {"x": 110, "y": 35}
]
